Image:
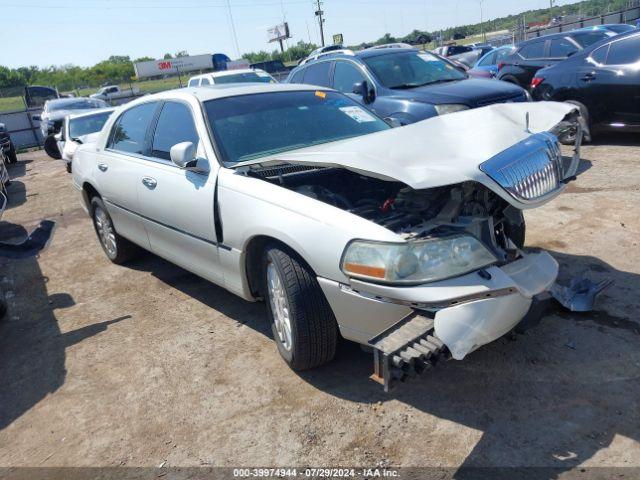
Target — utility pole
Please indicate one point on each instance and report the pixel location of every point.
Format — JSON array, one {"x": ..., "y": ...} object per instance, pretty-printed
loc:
[
  {"x": 319, "y": 14},
  {"x": 550, "y": 10},
  {"x": 484, "y": 36}
]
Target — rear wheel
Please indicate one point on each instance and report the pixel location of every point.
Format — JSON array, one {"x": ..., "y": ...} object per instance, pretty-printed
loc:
[
  {"x": 118, "y": 249},
  {"x": 303, "y": 325}
]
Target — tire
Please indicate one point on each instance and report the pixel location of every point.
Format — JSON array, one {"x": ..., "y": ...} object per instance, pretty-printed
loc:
[
  {"x": 570, "y": 139},
  {"x": 512, "y": 80},
  {"x": 516, "y": 233},
  {"x": 68, "y": 166},
  {"x": 118, "y": 249},
  {"x": 295, "y": 302},
  {"x": 12, "y": 156}
]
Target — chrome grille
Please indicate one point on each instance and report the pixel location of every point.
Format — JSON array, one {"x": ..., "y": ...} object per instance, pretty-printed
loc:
[{"x": 529, "y": 170}]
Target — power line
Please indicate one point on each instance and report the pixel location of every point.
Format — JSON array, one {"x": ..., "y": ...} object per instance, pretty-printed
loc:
[{"x": 233, "y": 28}]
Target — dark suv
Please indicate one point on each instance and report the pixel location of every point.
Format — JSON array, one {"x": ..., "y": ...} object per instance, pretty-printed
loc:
[
  {"x": 404, "y": 85},
  {"x": 532, "y": 55}
]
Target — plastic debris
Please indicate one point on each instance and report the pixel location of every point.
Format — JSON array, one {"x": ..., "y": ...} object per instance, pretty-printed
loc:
[{"x": 581, "y": 293}]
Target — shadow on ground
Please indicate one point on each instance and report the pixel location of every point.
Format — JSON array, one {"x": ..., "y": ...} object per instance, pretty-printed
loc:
[
  {"x": 553, "y": 397},
  {"x": 32, "y": 347}
]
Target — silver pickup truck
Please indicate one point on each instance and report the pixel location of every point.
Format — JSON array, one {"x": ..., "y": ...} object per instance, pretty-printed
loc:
[{"x": 409, "y": 240}]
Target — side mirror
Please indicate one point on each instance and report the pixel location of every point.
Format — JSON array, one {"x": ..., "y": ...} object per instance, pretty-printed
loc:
[
  {"x": 362, "y": 89},
  {"x": 184, "y": 155},
  {"x": 37, "y": 118}
]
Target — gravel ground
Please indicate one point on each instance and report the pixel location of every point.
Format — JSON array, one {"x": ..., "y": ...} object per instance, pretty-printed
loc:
[{"x": 148, "y": 364}]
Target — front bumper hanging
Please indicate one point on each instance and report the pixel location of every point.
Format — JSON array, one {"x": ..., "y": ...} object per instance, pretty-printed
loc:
[{"x": 405, "y": 350}]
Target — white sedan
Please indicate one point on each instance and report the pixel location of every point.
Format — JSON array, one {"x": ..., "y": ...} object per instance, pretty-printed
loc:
[{"x": 409, "y": 240}]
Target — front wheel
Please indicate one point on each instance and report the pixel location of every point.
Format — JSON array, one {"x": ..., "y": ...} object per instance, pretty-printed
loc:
[
  {"x": 303, "y": 325},
  {"x": 569, "y": 138},
  {"x": 118, "y": 249}
]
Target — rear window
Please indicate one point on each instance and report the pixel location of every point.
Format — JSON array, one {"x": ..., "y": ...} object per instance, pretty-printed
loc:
[
  {"x": 86, "y": 125},
  {"x": 249, "y": 77},
  {"x": 533, "y": 50}
]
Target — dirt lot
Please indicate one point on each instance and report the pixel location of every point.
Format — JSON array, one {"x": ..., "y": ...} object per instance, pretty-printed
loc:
[{"x": 148, "y": 364}]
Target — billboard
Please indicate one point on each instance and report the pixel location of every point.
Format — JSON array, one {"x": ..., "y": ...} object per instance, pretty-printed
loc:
[
  {"x": 279, "y": 32},
  {"x": 170, "y": 66}
]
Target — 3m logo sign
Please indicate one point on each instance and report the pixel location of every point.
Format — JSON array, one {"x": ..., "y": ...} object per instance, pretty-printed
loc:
[{"x": 164, "y": 65}]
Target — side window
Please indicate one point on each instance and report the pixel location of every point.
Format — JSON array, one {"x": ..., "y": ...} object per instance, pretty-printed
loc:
[
  {"x": 129, "y": 132},
  {"x": 624, "y": 52},
  {"x": 317, "y": 74},
  {"x": 488, "y": 60},
  {"x": 193, "y": 82},
  {"x": 599, "y": 55},
  {"x": 205, "y": 81},
  {"x": 112, "y": 90},
  {"x": 533, "y": 50},
  {"x": 502, "y": 54},
  {"x": 297, "y": 77},
  {"x": 345, "y": 75},
  {"x": 561, "y": 48},
  {"x": 175, "y": 125}
]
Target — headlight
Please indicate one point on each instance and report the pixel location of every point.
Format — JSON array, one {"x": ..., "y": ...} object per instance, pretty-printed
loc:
[
  {"x": 415, "y": 262},
  {"x": 450, "y": 108}
]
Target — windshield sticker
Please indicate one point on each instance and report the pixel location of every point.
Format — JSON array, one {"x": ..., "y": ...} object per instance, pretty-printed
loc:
[
  {"x": 358, "y": 114},
  {"x": 320, "y": 94}
]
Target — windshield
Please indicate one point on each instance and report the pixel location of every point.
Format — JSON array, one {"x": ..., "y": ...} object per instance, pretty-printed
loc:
[
  {"x": 248, "y": 127},
  {"x": 76, "y": 105},
  {"x": 86, "y": 125},
  {"x": 412, "y": 69},
  {"x": 244, "y": 78}
]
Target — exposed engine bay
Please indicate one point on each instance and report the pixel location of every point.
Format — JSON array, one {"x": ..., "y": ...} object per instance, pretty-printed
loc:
[{"x": 413, "y": 214}]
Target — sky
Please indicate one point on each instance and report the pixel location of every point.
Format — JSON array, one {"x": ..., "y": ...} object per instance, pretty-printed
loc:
[{"x": 84, "y": 32}]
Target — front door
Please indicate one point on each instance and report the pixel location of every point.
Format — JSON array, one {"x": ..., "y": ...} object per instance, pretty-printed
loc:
[{"x": 177, "y": 204}]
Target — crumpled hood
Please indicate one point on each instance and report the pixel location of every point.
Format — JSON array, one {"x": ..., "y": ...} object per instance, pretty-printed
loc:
[{"x": 438, "y": 151}]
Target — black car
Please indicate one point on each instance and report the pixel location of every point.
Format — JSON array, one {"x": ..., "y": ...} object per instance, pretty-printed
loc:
[
  {"x": 603, "y": 80},
  {"x": 7, "y": 145},
  {"x": 532, "y": 55},
  {"x": 404, "y": 85}
]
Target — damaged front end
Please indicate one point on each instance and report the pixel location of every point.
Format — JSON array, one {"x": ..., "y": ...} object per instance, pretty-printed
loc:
[{"x": 459, "y": 272}]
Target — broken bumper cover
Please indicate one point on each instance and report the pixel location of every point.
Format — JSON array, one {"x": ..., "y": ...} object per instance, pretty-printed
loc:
[{"x": 467, "y": 311}]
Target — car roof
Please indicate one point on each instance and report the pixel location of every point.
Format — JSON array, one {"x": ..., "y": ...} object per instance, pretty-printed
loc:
[
  {"x": 212, "y": 92},
  {"x": 69, "y": 100}
]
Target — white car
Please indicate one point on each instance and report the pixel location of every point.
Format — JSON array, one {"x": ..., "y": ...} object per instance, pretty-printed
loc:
[
  {"x": 245, "y": 75},
  {"x": 79, "y": 128},
  {"x": 409, "y": 240}
]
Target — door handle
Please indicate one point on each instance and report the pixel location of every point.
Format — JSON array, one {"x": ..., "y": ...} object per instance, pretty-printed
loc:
[
  {"x": 103, "y": 167},
  {"x": 149, "y": 182},
  {"x": 588, "y": 76}
]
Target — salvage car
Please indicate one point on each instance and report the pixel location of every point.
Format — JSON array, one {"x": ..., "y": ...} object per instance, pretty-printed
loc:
[
  {"x": 404, "y": 85},
  {"x": 77, "y": 129},
  {"x": 408, "y": 240}
]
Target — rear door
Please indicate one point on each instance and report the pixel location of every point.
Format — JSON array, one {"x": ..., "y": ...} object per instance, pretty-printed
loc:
[
  {"x": 118, "y": 169},
  {"x": 177, "y": 204}
]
